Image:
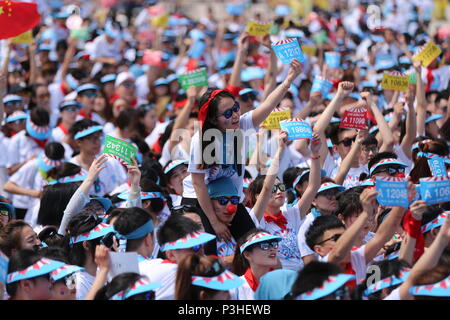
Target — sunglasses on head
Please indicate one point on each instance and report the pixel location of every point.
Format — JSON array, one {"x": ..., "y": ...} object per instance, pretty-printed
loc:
[
  {"x": 266, "y": 245},
  {"x": 224, "y": 200},
  {"x": 248, "y": 97},
  {"x": 347, "y": 141},
  {"x": 229, "y": 112},
  {"x": 280, "y": 186},
  {"x": 391, "y": 170},
  {"x": 334, "y": 238}
]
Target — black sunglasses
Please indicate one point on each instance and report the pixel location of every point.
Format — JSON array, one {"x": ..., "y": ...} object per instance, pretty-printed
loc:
[
  {"x": 347, "y": 141},
  {"x": 183, "y": 209},
  {"x": 224, "y": 200},
  {"x": 391, "y": 170},
  {"x": 229, "y": 112},
  {"x": 334, "y": 238},
  {"x": 280, "y": 186}
]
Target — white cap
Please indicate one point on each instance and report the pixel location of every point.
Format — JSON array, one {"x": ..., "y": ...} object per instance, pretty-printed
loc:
[{"x": 122, "y": 77}]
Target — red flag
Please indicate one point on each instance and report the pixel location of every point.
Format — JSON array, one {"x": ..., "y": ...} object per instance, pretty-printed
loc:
[{"x": 17, "y": 18}]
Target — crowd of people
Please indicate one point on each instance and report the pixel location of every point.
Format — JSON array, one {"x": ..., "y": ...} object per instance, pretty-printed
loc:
[{"x": 202, "y": 216}]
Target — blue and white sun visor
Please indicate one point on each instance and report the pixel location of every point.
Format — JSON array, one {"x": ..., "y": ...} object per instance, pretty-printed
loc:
[
  {"x": 12, "y": 98},
  {"x": 173, "y": 164},
  {"x": 328, "y": 287},
  {"x": 388, "y": 282},
  {"x": 330, "y": 185},
  {"x": 373, "y": 129},
  {"x": 389, "y": 161},
  {"x": 197, "y": 34},
  {"x": 108, "y": 78},
  {"x": 140, "y": 286},
  {"x": 45, "y": 164},
  {"x": 335, "y": 120},
  {"x": 87, "y": 131},
  {"x": 225, "y": 71},
  {"x": 37, "y": 132},
  {"x": 140, "y": 232},
  {"x": 64, "y": 271},
  {"x": 435, "y": 223},
  {"x": 144, "y": 195},
  {"x": 40, "y": 268},
  {"x": 87, "y": 86},
  {"x": 260, "y": 237},
  {"x": 99, "y": 231},
  {"x": 171, "y": 77},
  {"x": 17, "y": 115},
  {"x": 323, "y": 173},
  {"x": 246, "y": 183},
  {"x": 105, "y": 202},
  {"x": 404, "y": 60},
  {"x": 79, "y": 177},
  {"x": 295, "y": 33},
  {"x": 439, "y": 289},
  {"x": 368, "y": 183},
  {"x": 434, "y": 117},
  {"x": 223, "y": 282},
  {"x": 384, "y": 62},
  {"x": 367, "y": 84},
  {"x": 188, "y": 241},
  {"x": 160, "y": 82},
  {"x": 70, "y": 103},
  {"x": 248, "y": 90}
]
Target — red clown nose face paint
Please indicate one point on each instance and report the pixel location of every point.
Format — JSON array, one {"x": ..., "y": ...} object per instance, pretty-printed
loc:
[
  {"x": 400, "y": 175},
  {"x": 231, "y": 208}
]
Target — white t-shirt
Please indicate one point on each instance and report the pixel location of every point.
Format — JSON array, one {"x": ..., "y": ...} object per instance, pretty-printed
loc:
[
  {"x": 112, "y": 176},
  {"x": 226, "y": 249},
  {"x": 217, "y": 171},
  {"x": 25, "y": 177},
  {"x": 21, "y": 148},
  {"x": 243, "y": 292},
  {"x": 161, "y": 272},
  {"x": 288, "y": 251},
  {"x": 84, "y": 282},
  {"x": 394, "y": 295},
  {"x": 101, "y": 48},
  {"x": 352, "y": 178}
]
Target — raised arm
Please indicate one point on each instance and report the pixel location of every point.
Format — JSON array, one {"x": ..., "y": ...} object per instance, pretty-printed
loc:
[
  {"x": 421, "y": 100},
  {"x": 428, "y": 260},
  {"x": 411, "y": 124},
  {"x": 266, "y": 107},
  {"x": 235, "y": 79},
  {"x": 347, "y": 240},
  {"x": 270, "y": 79},
  {"x": 103, "y": 262},
  {"x": 386, "y": 133},
  {"x": 344, "y": 89},
  {"x": 308, "y": 196},
  {"x": 409, "y": 243},
  {"x": 266, "y": 192}
]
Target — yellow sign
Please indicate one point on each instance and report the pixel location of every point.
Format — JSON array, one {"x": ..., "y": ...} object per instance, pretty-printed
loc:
[
  {"x": 258, "y": 29},
  {"x": 309, "y": 50},
  {"x": 161, "y": 21},
  {"x": 428, "y": 54},
  {"x": 26, "y": 38},
  {"x": 274, "y": 118},
  {"x": 397, "y": 83}
]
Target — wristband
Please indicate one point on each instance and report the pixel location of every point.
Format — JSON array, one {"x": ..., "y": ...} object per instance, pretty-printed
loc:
[{"x": 315, "y": 158}]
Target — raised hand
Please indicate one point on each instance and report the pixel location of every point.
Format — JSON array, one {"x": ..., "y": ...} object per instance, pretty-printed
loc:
[
  {"x": 368, "y": 200},
  {"x": 294, "y": 71},
  {"x": 418, "y": 208},
  {"x": 315, "y": 145},
  {"x": 96, "y": 167},
  {"x": 134, "y": 174},
  {"x": 345, "y": 88}
]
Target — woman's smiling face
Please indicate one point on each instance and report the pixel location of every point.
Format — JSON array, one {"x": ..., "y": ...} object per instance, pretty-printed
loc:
[{"x": 221, "y": 121}]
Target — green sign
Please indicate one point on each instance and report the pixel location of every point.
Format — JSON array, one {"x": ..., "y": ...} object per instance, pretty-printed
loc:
[
  {"x": 196, "y": 78},
  {"x": 82, "y": 34},
  {"x": 412, "y": 78},
  {"x": 119, "y": 149},
  {"x": 320, "y": 37}
]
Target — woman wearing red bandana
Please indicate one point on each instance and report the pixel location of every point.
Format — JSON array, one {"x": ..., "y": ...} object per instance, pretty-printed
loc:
[
  {"x": 218, "y": 113},
  {"x": 269, "y": 212}
]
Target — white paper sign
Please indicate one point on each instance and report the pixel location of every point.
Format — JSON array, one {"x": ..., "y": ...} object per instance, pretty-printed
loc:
[{"x": 123, "y": 262}]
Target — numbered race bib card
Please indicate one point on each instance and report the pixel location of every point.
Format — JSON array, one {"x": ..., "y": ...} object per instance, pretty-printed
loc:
[
  {"x": 435, "y": 190},
  {"x": 274, "y": 118},
  {"x": 333, "y": 59},
  {"x": 395, "y": 80},
  {"x": 287, "y": 50},
  {"x": 258, "y": 28},
  {"x": 354, "y": 118},
  {"x": 322, "y": 85},
  {"x": 427, "y": 53},
  {"x": 296, "y": 128},
  {"x": 119, "y": 150},
  {"x": 194, "y": 78},
  {"x": 437, "y": 166},
  {"x": 392, "y": 191}
]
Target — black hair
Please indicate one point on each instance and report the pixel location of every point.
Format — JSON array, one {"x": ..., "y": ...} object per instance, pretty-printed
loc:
[
  {"x": 381, "y": 156},
  {"x": 54, "y": 151},
  {"x": 431, "y": 213},
  {"x": 54, "y": 201},
  {"x": 333, "y": 130},
  {"x": 255, "y": 188},
  {"x": 81, "y": 125},
  {"x": 240, "y": 263},
  {"x": 349, "y": 203},
  {"x": 40, "y": 117},
  {"x": 125, "y": 118},
  {"x": 80, "y": 224},
  {"x": 289, "y": 176},
  {"x": 157, "y": 204},
  {"x": 319, "y": 226},
  {"x": 127, "y": 221},
  {"x": 369, "y": 140},
  {"x": 176, "y": 227},
  {"x": 66, "y": 169},
  {"x": 312, "y": 276},
  {"x": 119, "y": 283},
  {"x": 20, "y": 260},
  {"x": 55, "y": 253},
  {"x": 49, "y": 235}
]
